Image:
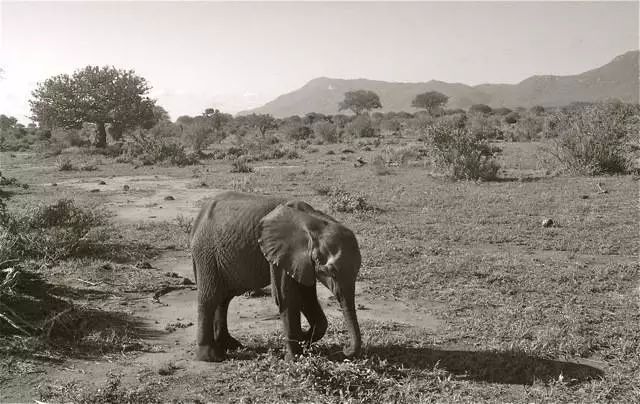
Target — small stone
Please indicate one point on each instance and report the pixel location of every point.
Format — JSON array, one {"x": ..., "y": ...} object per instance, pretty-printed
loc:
[
  {"x": 54, "y": 184},
  {"x": 169, "y": 198},
  {"x": 102, "y": 183},
  {"x": 547, "y": 223},
  {"x": 125, "y": 187},
  {"x": 584, "y": 196},
  {"x": 203, "y": 184},
  {"x": 171, "y": 274},
  {"x": 95, "y": 190},
  {"x": 143, "y": 265}
]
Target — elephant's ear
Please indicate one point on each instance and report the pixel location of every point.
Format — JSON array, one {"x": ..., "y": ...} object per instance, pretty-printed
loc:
[{"x": 287, "y": 238}]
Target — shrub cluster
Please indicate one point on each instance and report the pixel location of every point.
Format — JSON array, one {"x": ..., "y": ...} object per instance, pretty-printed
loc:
[
  {"x": 142, "y": 147},
  {"x": 595, "y": 139},
  {"x": 345, "y": 201},
  {"x": 52, "y": 231},
  {"x": 458, "y": 151}
]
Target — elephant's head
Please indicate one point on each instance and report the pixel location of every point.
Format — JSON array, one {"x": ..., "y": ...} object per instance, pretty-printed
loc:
[{"x": 310, "y": 245}]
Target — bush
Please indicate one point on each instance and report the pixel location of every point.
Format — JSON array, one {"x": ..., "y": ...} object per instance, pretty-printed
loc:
[
  {"x": 52, "y": 231},
  {"x": 459, "y": 152},
  {"x": 595, "y": 139},
  {"x": 344, "y": 201},
  {"x": 147, "y": 150},
  {"x": 380, "y": 166},
  {"x": 361, "y": 126},
  {"x": 64, "y": 164},
  {"x": 241, "y": 165},
  {"x": 326, "y": 131},
  {"x": 294, "y": 130}
]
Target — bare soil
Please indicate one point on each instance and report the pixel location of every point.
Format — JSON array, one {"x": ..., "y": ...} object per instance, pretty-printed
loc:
[{"x": 169, "y": 321}]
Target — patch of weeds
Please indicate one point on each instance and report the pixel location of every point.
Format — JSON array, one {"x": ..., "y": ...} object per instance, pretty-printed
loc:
[
  {"x": 245, "y": 183},
  {"x": 366, "y": 380},
  {"x": 88, "y": 166},
  {"x": 147, "y": 150},
  {"x": 241, "y": 165},
  {"x": 64, "y": 164},
  {"x": 54, "y": 231},
  {"x": 112, "y": 392},
  {"x": 379, "y": 166},
  {"x": 347, "y": 202},
  {"x": 185, "y": 223}
]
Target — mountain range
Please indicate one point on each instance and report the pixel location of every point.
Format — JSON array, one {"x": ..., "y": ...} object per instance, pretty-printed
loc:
[{"x": 617, "y": 79}]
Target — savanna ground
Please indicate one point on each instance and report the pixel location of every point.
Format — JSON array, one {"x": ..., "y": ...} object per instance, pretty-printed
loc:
[{"x": 464, "y": 296}]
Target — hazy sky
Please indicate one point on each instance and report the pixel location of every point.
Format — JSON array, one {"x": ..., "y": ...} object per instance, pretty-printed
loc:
[{"x": 235, "y": 56}]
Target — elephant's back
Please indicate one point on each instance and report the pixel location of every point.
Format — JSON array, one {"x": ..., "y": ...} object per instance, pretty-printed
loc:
[{"x": 225, "y": 237}]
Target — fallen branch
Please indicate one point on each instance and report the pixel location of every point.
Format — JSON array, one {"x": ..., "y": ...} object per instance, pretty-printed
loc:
[
  {"x": 4, "y": 308},
  {"x": 601, "y": 190}
]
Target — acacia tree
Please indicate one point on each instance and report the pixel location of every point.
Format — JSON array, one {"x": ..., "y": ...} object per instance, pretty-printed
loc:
[
  {"x": 261, "y": 122},
  {"x": 360, "y": 100},
  {"x": 431, "y": 100},
  {"x": 99, "y": 95}
]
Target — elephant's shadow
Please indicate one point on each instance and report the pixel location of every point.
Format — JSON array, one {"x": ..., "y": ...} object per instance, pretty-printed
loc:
[
  {"x": 487, "y": 366},
  {"x": 480, "y": 366}
]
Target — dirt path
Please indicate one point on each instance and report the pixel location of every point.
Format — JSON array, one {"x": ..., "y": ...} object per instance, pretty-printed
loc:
[{"x": 171, "y": 320}]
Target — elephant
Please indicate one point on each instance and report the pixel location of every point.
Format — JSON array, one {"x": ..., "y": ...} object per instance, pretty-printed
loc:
[{"x": 243, "y": 241}]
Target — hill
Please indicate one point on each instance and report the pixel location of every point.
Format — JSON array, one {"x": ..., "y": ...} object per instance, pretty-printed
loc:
[{"x": 617, "y": 79}]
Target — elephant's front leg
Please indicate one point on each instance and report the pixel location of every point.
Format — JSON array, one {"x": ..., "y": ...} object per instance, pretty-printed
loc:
[
  {"x": 288, "y": 298},
  {"x": 314, "y": 314}
]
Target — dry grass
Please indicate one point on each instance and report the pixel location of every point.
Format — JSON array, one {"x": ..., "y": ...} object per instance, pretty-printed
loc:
[{"x": 520, "y": 303}]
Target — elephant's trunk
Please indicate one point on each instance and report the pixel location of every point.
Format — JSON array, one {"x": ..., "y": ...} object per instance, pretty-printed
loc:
[{"x": 351, "y": 321}]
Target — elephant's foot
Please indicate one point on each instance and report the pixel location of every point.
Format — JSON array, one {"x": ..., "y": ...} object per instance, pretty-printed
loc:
[
  {"x": 293, "y": 349},
  {"x": 209, "y": 353},
  {"x": 230, "y": 344}
]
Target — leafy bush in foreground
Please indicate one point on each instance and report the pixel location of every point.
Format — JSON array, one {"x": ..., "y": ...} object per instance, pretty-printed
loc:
[
  {"x": 52, "y": 231},
  {"x": 595, "y": 139},
  {"x": 460, "y": 152}
]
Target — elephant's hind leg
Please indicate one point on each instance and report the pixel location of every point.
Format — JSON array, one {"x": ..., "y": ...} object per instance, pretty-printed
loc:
[
  {"x": 207, "y": 348},
  {"x": 220, "y": 330}
]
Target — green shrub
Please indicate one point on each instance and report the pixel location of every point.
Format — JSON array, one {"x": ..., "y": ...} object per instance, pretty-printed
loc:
[
  {"x": 347, "y": 202},
  {"x": 380, "y": 166},
  {"x": 459, "y": 152},
  {"x": 361, "y": 126},
  {"x": 64, "y": 164},
  {"x": 595, "y": 139},
  {"x": 325, "y": 131},
  {"x": 241, "y": 165},
  {"x": 296, "y": 131},
  {"x": 147, "y": 150},
  {"x": 51, "y": 231}
]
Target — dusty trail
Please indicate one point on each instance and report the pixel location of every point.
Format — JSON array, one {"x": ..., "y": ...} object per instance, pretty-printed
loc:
[{"x": 170, "y": 321}]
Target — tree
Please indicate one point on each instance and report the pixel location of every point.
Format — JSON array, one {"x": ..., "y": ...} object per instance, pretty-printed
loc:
[
  {"x": 360, "y": 100},
  {"x": 261, "y": 122},
  {"x": 481, "y": 108},
  {"x": 537, "y": 110},
  {"x": 99, "y": 95},
  {"x": 431, "y": 100},
  {"x": 205, "y": 129}
]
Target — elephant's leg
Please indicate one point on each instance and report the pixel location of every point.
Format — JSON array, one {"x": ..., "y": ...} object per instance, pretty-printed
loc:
[
  {"x": 207, "y": 348},
  {"x": 314, "y": 314},
  {"x": 220, "y": 330},
  {"x": 288, "y": 298}
]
